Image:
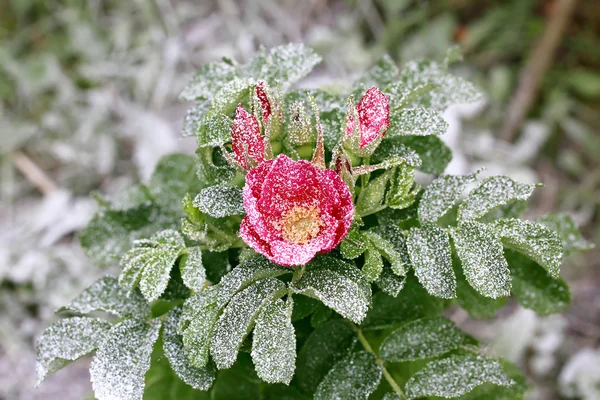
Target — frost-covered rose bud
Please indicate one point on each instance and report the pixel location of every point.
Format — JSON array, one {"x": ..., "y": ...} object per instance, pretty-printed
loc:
[
  {"x": 294, "y": 210},
  {"x": 246, "y": 140},
  {"x": 373, "y": 115},
  {"x": 263, "y": 99}
]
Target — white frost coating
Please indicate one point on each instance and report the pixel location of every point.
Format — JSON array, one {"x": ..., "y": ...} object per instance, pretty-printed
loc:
[
  {"x": 66, "y": 341},
  {"x": 339, "y": 285},
  {"x": 354, "y": 377},
  {"x": 118, "y": 369},
  {"x": 274, "y": 343},
  {"x": 430, "y": 254},
  {"x": 198, "y": 378},
  {"x": 238, "y": 319},
  {"x": 534, "y": 240},
  {"x": 441, "y": 195},
  {"x": 493, "y": 192},
  {"x": 390, "y": 283},
  {"x": 423, "y": 338},
  {"x": 417, "y": 122},
  {"x": 196, "y": 324},
  {"x": 193, "y": 273},
  {"x": 209, "y": 78},
  {"x": 481, "y": 253},
  {"x": 106, "y": 295},
  {"x": 220, "y": 201},
  {"x": 230, "y": 95}
]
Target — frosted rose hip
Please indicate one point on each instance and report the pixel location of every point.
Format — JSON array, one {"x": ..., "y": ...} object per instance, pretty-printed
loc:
[
  {"x": 294, "y": 210},
  {"x": 246, "y": 140}
]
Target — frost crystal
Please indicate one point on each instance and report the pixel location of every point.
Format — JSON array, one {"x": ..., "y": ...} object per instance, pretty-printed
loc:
[
  {"x": 441, "y": 195},
  {"x": 481, "y": 253},
  {"x": 430, "y": 255},
  {"x": 118, "y": 369},
  {"x": 274, "y": 343},
  {"x": 238, "y": 319},
  {"x": 423, "y": 338},
  {"x": 493, "y": 192}
]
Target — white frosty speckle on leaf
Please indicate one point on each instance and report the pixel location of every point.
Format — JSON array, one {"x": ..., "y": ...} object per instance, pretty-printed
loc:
[
  {"x": 431, "y": 257},
  {"x": 121, "y": 362},
  {"x": 417, "y": 122},
  {"x": 390, "y": 283},
  {"x": 481, "y": 253},
  {"x": 455, "y": 376},
  {"x": 274, "y": 343},
  {"x": 220, "y": 201},
  {"x": 441, "y": 195},
  {"x": 193, "y": 272},
  {"x": 66, "y": 341}
]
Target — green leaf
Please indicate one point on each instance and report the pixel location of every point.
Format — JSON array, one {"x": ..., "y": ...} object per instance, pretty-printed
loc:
[
  {"x": 282, "y": 392},
  {"x": 403, "y": 190},
  {"x": 198, "y": 318},
  {"x": 514, "y": 209},
  {"x": 455, "y": 376},
  {"x": 373, "y": 264},
  {"x": 220, "y": 201},
  {"x": 490, "y": 391},
  {"x": 192, "y": 269},
  {"x": 274, "y": 343},
  {"x": 209, "y": 172},
  {"x": 476, "y": 305},
  {"x": 238, "y": 383},
  {"x": 173, "y": 177},
  {"x": 417, "y": 122},
  {"x": 480, "y": 251},
  {"x": 493, "y": 192},
  {"x": 67, "y": 340},
  {"x": 534, "y": 240},
  {"x": 390, "y": 283},
  {"x": 371, "y": 198},
  {"x": 321, "y": 315},
  {"x": 402, "y": 95},
  {"x": 211, "y": 130},
  {"x": 534, "y": 288},
  {"x": 238, "y": 318},
  {"x": 216, "y": 265},
  {"x": 431, "y": 257},
  {"x": 394, "y": 147},
  {"x": 354, "y": 244},
  {"x": 441, "y": 195},
  {"x": 207, "y": 81},
  {"x": 325, "y": 346},
  {"x": 567, "y": 231},
  {"x": 231, "y": 94},
  {"x": 150, "y": 263},
  {"x": 193, "y": 119},
  {"x": 390, "y": 241},
  {"x": 423, "y": 338},
  {"x": 433, "y": 152},
  {"x": 118, "y": 369},
  {"x": 413, "y": 302},
  {"x": 380, "y": 75},
  {"x": 354, "y": 377},
  {"x": 198, "y": 378},
  {"x": 338, "y": 284},
  {"x": 106, "y": 295},
  {"x": 303, "y": 307}
]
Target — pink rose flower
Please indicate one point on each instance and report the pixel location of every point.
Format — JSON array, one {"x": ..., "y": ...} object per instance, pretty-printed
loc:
[
  {"x": 294, "y": 210},
  {"x": 373, "y": 117},
  {"x": 246, "y": 141}
]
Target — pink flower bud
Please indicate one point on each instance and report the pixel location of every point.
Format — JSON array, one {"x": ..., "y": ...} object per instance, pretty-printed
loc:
[
  {"x": 246, "y": 140},
  {"x": 373, "y": 112},
  {"x": 261, "y": 93}
]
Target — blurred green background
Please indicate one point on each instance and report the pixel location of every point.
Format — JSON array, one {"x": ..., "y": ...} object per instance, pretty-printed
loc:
[{"x": 89, "y": 92}]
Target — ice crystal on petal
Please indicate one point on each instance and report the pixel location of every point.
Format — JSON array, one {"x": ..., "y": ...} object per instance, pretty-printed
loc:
[
  {"x": 493, "y": 192},
  {"x": 274, "y": 343},
  {"x": 441, "y": 195},
  {"x": 118, "y": 369},
  {"x": 430, "y": 255}
]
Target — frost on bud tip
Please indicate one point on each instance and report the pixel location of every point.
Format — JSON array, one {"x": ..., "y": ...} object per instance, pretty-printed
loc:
[{"x": 246, "y": 140}]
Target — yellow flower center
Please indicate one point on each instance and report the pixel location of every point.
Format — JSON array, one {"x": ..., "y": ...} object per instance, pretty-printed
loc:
[{"x": 300, "y": 224}]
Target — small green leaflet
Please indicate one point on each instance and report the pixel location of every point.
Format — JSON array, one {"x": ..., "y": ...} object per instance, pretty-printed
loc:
[
  {"x": 354, "y": 377},
  {"x": 118, "y": 369},
  {"x": 173, "y": 177},
  {"x": 470, "y": 300},
  {"x": 220, "y": 201},
  {"x": 199, "y": 315},
  {"x": 423, "y": 338},
  {"x": 67, "y": 340},
  {"x": 373, "y": 265},
  {"x": 395, "y": 253},
  {"x": 380, "y": 75},
  {"x": 390, "y": 283},
  {"x": 455, "y": 376},
  {"x": 208, "y": 80},
  {"x": 417, "y": 122},
  {"x": 211, "y": 130},
  {"x": 565, "y": 227},
  {"x": 491, "y": 193},
  {"x": 192, "y": 269},
  {"x": 433, "y": 152},
  {"x": 441, "y": 195}
]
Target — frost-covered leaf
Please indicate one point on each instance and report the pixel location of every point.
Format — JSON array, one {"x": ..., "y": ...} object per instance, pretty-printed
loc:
[
  {"x": 371, "y": 198},
  {"x": 534, "y": 288},
  {"x": 493, "y": 192},
  {"x": 354, "y": 377},
  {"x": 211, "y": 130},
  {"x": 447, "y": 89},
  {"x": 67, "y": 340},
  {"x": 417, "y": 122},
  {"x": 534, "y": 240},
  {"x": 373, "y": 264},
  {"x": 238, "y": 383},
  {"x": 455, "y": 376},
  {"x": 194, "y": 118},
  {"x": 471, "y": 301},
  {"x": 380, "y": 75},
  {"x": 513, "y": 209},
  {"x": 390, "y": 241},
  {"x": 216, "y": 265},
  {"x": 338, "y": 284},
  {"x": 207, "y": 80},
  {"x": 117, "y": 371},
  {"x": 431, "y": 257},
  {"x": 192, "y": 269},
  {"x": 211, "y": 172},
  {"x": 150, "y": 263},
  {"x": 390, "y": 283},
  {"x": 231, "y": 94},
  {"x": 198, "y": 318},
  {"x": 106, "y": 295},
  {"x": 325, "y": 346},
  {"x": 481, "y": 254},
  {"x": 490, "y": 391},
  {"x": 220, "y": 201},
  {"x": 423, "y": 338},
  {"x": 413, "y": 302},
  {"x": 238, "y": 318},
  {"x": 441, "y": 195},
  {"x": 321, "y": 315},
  {"x": 173, "y": 177},
  {"x": 570, "y": 236},
  {"x": 433, "y": 153},
  {"x": 245, "y": 274},
  {"x": 354, "y": 244},
  {"x": 198, "y": 378},
  {"x": 274, "y": 343}
]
